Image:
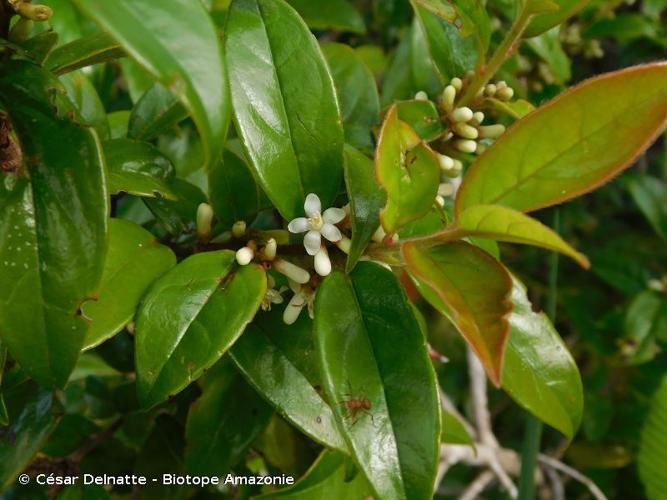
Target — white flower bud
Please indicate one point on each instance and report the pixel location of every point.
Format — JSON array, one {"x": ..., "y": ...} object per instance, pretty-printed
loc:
[
  {"x": 322, "y": 262},
  {"x": 465, "y": 145},
  {"x": 461, "y": 114},
  {"x": 379, "y": 235},
  {"x": 344, "y": 244},
  {"x": 440, "y": 200},
  {"x": 294, "y": 307},
  {"x": 204, "y": 219},
  {"x": 491, "y": 131},
  {"x": 505, "y": 94},
  {"x": 446, "y": 163},
  {"x": 466, "y": 131},
  {"x": 448, "y": 97},
  {"x": 455, "y": 171},
  {"x": 293, "y": 272},
  {"x": 657, "y": 285},
  {"x": 478, "y": 117},
  {"x": 244, "y": 256},
  {"x": 490, "y": 90},
  {"x": 239, "y": 229},
  {"x": 270, "y": 249},
  {"x": 502, "y": 84},
  {"x": 421, "y": 96},
  {"x": 445, "y": 189},
  {"x": 457, "y": 83}
]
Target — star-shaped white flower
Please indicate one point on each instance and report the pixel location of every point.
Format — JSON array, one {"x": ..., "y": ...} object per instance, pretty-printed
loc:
[{"x": 317, "y": 224}]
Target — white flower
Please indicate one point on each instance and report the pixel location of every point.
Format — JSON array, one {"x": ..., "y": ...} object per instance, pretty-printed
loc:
[
  {"x": 317, "y": 224},
  {"x": 303, "y": 296}
]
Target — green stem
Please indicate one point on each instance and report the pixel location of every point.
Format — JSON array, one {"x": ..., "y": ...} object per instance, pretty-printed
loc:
[
  {"x": 533, "y": 434},
  {"x": 501, "y": 54}
]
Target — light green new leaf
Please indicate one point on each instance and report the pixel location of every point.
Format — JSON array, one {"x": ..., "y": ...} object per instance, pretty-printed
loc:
[
  {"x": 189, "y": 318},
  {"x": 504, "y": 224},
  {"x": 423, "y": 117},
  {"x": 540, "y": 373},
  {"x": 327, "y": 477},
  {"x": 138, "y": 168},
  {"x": 366, "y": 201},
  {"x": 573, "y": 144},
  {"x": 408, "y": 171},
  {"x": 650, "y": 194},
  {"x": 156, "y": 111},
  {"x": 53, "y": 213},
  {"x": 373, "y": 352},
  {"x": 86, "y": 51},
  {"x": 453, "y": 431},
  {"x": 285, "y": 105},
  {"x": 135, "y": 259},
  {"x": 472, "y": 289},
  {"x": 277, "y": 360},
  {"x": 357, "y": 94},
  {"x": 223, "y": 422},
  {"x": 177, "y": 43},
  {"x": 339, "y": 15},
  {"x": 653, "y": 447},
  {"x": 553, "y": 17}
]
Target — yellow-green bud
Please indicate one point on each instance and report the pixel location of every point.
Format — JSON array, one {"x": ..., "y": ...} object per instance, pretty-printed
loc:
[
  {"x": 204, "y": 220},
  {"x": 421, "y": 96},
  {"x": 490, "y": 90},
  {"x": 465, "y": 145},
  {"x": 505, "y": 94},
  {"x": 461, "y": 114},
  {"x": 239, "y": 229},
  {"x": 34, "y": 12},
  {"x": 244, "y": 256},
  {"x": 466, "y": 131},
  {"x": 491, "y": 131},
  {"x": 457, "y": 83},
  {"x": 270, "y": 249},
  {"x": 448, "y": 97}
]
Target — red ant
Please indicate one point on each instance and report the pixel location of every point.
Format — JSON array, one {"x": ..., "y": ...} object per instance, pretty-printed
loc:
[{"x": 356, "y": 406}]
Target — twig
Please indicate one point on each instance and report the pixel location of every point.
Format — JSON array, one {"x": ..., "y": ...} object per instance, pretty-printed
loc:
[
  {"x": 95, "y": 441},
  {"x": 480, "y": 401},
  {"x": 557, "y": 487},
  {"x": 477, "y": 486},
  {"x": 574, "y": 474}
]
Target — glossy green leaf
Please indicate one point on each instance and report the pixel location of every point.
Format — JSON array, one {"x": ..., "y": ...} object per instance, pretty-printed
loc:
[
  {"x": 156, "y": 111},
  {"x": 573, "y": 144},
  {"x": 284, "y": 104},
  {"x": 357, "y": 94},
  {"x": 504, "y": 224},
  {"x": 189, "y": 318},
  {"x": 138, "y": 168},
  {"x": 223, "y": 422},
  {"x": 53, "y": 213},
  {"x": 272, "y": 357},
  {"x": 547, "y": 20},
  {"x": 327, "y": 477},
  {"x": 135, "y": 259},
  {"x": 41, "y": 45},
  {"x": 190, "y": 64},
  {"x": 652, "y": 457},
  {"x": 539, "y": 372},
  {"x": 366, "y": 201},
  {"x": 83, "y": 95},
  {"x": 26, "y": 436},
  {"x": 424, "y": 73},
  {"x": 372, "y": 350},
  {"x": 441, "y": 8},
  {"x": 650, "y": 194},
  {"x": 407, "y": 170},
  {"x": 453, "y": 431},
  {"x": 423, "y": 117},
  {"x": 233, "y": 192},
  {"x": 118, "y": 124},
  {"x": 339, "y": 15},
  {"x": 177, "y": 216},
  {"x": 86, "y": 51},
  {"x": 475, "y": 290}
]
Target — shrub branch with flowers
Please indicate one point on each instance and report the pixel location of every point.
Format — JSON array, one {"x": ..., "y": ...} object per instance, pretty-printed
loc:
[{"x": 159, "y": 254}]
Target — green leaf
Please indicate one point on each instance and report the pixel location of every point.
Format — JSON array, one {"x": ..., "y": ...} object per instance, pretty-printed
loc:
[
  {"x": 645, "y": 324},
  {"x": 86, "y": 51},
  {"x": 41, "y": 45},
  {"x": 288, "y": 118},
  {"x": 327, "y": 477},
  {"x": 83, "y": 95},
  {"x": 26, "y": 436},
  {"x": 407, "y": 170},
  {"x": 573, "y": 144},
  {"x": 223, "y": 422},
  {"x": 189, "y": 318},
  {"x": 135, "y": 259},
  {"x": 339, "y": 15},
  {"x": 472, "y": 289},
  {"x": 652, "y": 456},
  {"x": 441, "y": 8},
  {"x": 138, "y": 168},
  {"x": 273, "y": 359},
  {"x": 650, "y": 194},
  {"x": 547, "y": 20},
  {"x": 373, "y": 352},
  {"x": 53, "y": 213},
  {"x": 540, "y": 373},
  {"x": 233, "y": 191},
  {"x": 504, "y": 224},
  {"x": 366, "y": 201},
  {"x": 4, "y": 416},
  {"x": 178, "y": 44},
  {"x": 357, "y": 94},
  {"x": 423, "y": 117},
  {"x": 453, "y": 431},
  {"x": 177, "y": 216},
  {"x": 549, "y": 47},
  {"x": 156, "y": 111}
]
